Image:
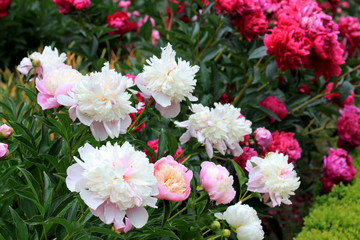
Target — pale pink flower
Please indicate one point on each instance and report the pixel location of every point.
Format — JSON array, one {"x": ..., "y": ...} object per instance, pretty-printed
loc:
[
  {"x": 55, "y": 83},
  {"x": 5, "y": 131},
  {"x": 217, "y": 182},
  {"x": 274, "y": 177},
  {"x": 113, "y": 181},
  {"x": 101, "y": 102},
  {"x": 3, "y": 150},
  {"x": 263, "y": 137},
  {"x": 173, "y": 179},
  {"x": 124, "y": 4},
  {"x": 123, "y": 227}
]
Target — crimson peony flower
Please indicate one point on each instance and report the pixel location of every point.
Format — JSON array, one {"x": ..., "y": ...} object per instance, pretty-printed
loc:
[
  {"x": 120, "y": 21},
  {"x": 227, "y": 5},
  {"x": 348, "y": 128},
  {"x": 350, "y": 31},
  {"x": 4, "y": 4},
  {"x": 284, "y": 143},
  {"x": 275, "y": 105},
  {"x": 335, "y": 97},
  {"x": 305, "y": 89},
  {"x": 338, "y": 167},
  {"x": 154, "y": 144},
  {"x": 246, "y": 155},
  {"x": 289, "y": 45},
  {"x": 67, "y": 6}
]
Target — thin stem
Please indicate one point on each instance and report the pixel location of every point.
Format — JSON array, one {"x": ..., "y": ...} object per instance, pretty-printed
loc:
[
  {"x": 221, "y": 158},
  {"x": 243, "y": 195},
  {"x": 308, "y": 102},
  {"x": 347, "y": 73},
  {"x": 206, "y": 232},
  {"x": 140, "y": 115},
  {"x": 192, "y": 204},
  {"x": 208, "y": 43},
  {"x": 220, "y": 53},
  {"x": 248, "y": 197},
  {"x": 188, "y": 157},
  {"x": 198, "y": 38},
  {"x": 213, "y": 237}
]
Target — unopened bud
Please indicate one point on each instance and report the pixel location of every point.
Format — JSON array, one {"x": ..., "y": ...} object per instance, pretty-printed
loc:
[
  {"x": 5, "y": 132},
  {"x": 3, "y": 150},
  {"x": 226, "y": 233},
  {"x": 215, "y": 225}
]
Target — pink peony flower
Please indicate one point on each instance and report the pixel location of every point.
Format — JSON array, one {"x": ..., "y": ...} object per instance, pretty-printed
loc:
[
  {"x": 4, "y": 4},
  {"x": 245, "y": 156},
  {"x": 5, "y": 131},
  {"x": 120, "y": 21},
  {"x": 286, "y": 144},
  {"x": 3, "y": 150},
  {"x": 226, "y": 5},
  {"x": 305, "y": 89},
  {"x": 124, "y": 4},
  {"x": 350, "y": 31},
  {"x": 55, "y": 83},
  {"x": 274, "y": 177},
  {"x": 123, "y": 227},
  {"x": 338, "y": 167},
  {"x": 335, "y": 97},
  {"x": 348, "y": 128},
  {"x": 217, "y": 182},
  {"x": 67, "y": 6},
  {"x": 173, "y": 179},
  {"x": 155, "y": 35},
  {"x": 263, "y": 137},
  {"x": 276, "y": 106},
  {"x": 154, "y": 144}
]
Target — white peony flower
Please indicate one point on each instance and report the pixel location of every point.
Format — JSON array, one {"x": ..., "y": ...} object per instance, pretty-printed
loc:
[
  {"x": 244, "y": 220},
  {"x": 221, "y": 127},
  {"x": 101, "y": 102},
  {"x": 113, "y": 181},
  {"x": 167, "y": 81},
  {"x": 48, "y": 60},
  {"x": 274, "y": 177}
]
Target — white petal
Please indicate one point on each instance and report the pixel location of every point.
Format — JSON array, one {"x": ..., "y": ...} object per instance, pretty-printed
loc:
[
  {"x": 162, "y": 99},
  {"x": 74, "y": 174},
  {"x": 138, "y": 216},
  {"x": 83, "y": 118},
  {"x": 98, "y": 131},
  {"x": 66, "y": 100},
  {"x": 168, "y": 112},
  {"x": 112, "y": 128},
  {"x": 91, "y": 199}
]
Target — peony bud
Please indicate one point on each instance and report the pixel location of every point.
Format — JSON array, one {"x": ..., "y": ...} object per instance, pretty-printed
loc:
[
  {"x": 5, "y": 131},
  {"x": 215, "y": 225},
  {"x": 3, "y": 150},
  {"x": 226, "y": 233},
  {"x": 263, "y": 137}
]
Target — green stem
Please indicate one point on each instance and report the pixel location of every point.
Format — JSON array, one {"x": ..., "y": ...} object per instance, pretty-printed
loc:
[
  {"x": 192, "y": 204},
  {"x": 188, "y": 157},
  {"x": 139, "y": 116},
  {"x": 248, "y": 197},
  {"x": 206, "y": 232},
  {"x": 220, "y": 53},
  {"x": 213, "y": 237},
  {"x": 308, "y": 102}
]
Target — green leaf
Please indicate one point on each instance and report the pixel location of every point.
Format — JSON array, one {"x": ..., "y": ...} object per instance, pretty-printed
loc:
[
  {"x": 258, "y": 53},
  {"x": 240, "y": 175},
  {"x": 271, "y": 71},
  {"x": 166, "y": 212},
  {"x": 21, "y": 229},
  {"x": 32, "y": 183},
  {"x": 162, "y": 147},
  {"x": 346, "y": 88}
]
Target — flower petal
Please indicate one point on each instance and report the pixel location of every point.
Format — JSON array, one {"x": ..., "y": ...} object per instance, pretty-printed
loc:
[
  {"x": 138, "y": 216},
  {"x": 170, "y": 111}
]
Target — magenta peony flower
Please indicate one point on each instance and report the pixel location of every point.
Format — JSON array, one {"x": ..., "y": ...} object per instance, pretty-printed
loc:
[
  {"x": 5, "y": 131},
  {"x": 263, "y": 137},
  {"x": 173, "y": 179},
  {"x": 335, "y": 97},
  {"x": 286, "y": 144},
  {"x": 245, "y": 156},
  {"x": 305, "y": 89},
  {"x": 338, "y": 167},
  {"x": 67, "y": 6},
  {"x": 120, "y": 21},
  {"x": 154, "y": 144},
  {"x": 276, "y": 106},
  {"x": 4, "y": 4},
  {"x": 217, "y": 182},
  {"x": 348, "y": 128},
  {"x": 123, "y": 227},
  {"x": 350, "y": 31},
  {"x": 227, "y": 5},
  {"x": 3, "y": 150}
]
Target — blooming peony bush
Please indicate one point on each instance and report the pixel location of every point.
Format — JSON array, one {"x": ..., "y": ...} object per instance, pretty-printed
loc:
[{"x": 174, "y": 119}]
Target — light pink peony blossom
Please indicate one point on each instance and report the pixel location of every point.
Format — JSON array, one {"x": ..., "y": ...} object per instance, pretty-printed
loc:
[
  {"x": 3, "y": 150},
  {"x": 5, "y": 131},
  {"x": 263, "y": 137},
  {"x": 173, "y": 179},
  {"x": 114, "y": 181},
  {"x": 217, "y": 182},
  {"x": 55, "y": 83},
  {"x": 274, "y": 177},
  {"x": 123, "y": 227}
]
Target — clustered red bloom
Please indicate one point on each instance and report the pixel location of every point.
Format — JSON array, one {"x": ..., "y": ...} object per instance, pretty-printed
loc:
[
  {"x": 350, "y": 31},
  {"x": 348, "y": 128},
  {"x": 284, "y": 142},
  {"x": 180, "y": 11},
  {"x": 4, "y": 4},
  {"x": 247, "y": 16},
  {"x": 305, "y": 89},
  {"x": 335, "y": 97},
  {"x": 338, "y": 167},
  {"x": 154, "y": 145},
  {"x": 245, "y": 156},
  {"x": 305, "y": 36},
  {"x": 275, "y": 105},
  {"x": 120, "y": 21},
  {"x": 67, "y": 6}
]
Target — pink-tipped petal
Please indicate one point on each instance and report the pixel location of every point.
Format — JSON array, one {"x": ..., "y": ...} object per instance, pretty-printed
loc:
[
  {"x": 98, "y": 131},
  {"x": 74, "y": 174}
]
